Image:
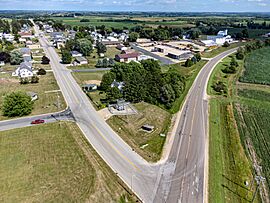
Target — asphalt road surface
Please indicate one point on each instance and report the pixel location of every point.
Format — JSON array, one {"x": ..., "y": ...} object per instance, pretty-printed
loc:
[
  {"x": 179, "y": 178},
  {"x": 65, "y": 115}
]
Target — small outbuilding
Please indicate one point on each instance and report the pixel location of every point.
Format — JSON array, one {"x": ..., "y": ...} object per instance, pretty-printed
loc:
[
  {"x": 148, "y": 128},
  {"x": 89, "y": 87}
]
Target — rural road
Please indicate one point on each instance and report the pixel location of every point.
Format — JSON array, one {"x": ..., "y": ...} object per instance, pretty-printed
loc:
[
  {"x": 26, "y": 121},
  {"x": 178, "y": 178}
]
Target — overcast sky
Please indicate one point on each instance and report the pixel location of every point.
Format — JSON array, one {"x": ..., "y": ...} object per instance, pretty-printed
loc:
[{"x": 139, "y": 5}]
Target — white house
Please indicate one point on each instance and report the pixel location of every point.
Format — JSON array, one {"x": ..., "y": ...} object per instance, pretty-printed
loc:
[
  {"x": 75, "y": 53},
  {"x": 80, "y": 60},
  {"x": 119, "y": 85},
  {"x": 24, "y": 70}
]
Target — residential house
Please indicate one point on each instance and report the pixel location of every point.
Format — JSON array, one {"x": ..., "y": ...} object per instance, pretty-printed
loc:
[
  {"x": 24, "y": 70},
  {"x": 26, "y": 35},
  {"x": 75, "y": 53},
  {"x": 119, "y": 85},
  {"x": 127, "y": 57},
  {"x": 80, "y": 60},
  {"x": 33, "y": 46},
  {"x": 121, "y": 47}
]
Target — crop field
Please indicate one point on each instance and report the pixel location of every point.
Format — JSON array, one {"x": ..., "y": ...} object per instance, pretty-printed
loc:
[
  {"x": 257, "y": 67},
  {"x": 254, "y": 94},
  {"x": 123, "y": 22},
  {"x": 54, "y": 163},
  {"x": 253, "y": 124}
]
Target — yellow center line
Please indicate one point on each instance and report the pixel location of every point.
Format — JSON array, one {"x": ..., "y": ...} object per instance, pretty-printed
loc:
[{"x": 115, "y": 149}]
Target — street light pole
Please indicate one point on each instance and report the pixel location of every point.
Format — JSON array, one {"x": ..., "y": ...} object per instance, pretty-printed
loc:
[{"x": 258, "y": 179}]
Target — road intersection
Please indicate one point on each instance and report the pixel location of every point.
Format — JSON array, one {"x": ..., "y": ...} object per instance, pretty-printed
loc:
[{"x": 178, "y": 178}]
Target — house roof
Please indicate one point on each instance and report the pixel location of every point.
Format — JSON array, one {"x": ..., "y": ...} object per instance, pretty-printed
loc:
[
  {"x": 26, "y": 65},
  {"x": 80, "y": 59},
  {"x": 128, "y": 55},
  {"x": 75, "y": 52},
  {"x": 25, "y": 51}
]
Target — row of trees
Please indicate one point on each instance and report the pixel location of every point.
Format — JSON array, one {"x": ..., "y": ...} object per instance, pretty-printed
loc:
[
  {"x": 105, "y": 63},
  {"x": 242, "y": 51},
  {"x": 144, "y": 82},
  {"x": 191, "y": 61}
]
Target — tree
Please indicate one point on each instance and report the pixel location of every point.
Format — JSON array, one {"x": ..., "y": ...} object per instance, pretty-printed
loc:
[
  {"x": 133, "y": 36},
  {"x": 113, "y": 94},
  {"x": 4, "y": 56},
  {"x": 16, "y": 57},
  {"x": 99, "y": 64},
  {"x": 167, "y": 95},
  {"x": 219, "y": 87},
  {"x": 24, "y": 81},
  {"x": 226, "y": 44},
  {"x": 111, "y": 62},
  {"x": 84, "y": 46},
  {"x": 198, "y": 56},
  {"x": 233, "y": 62},
  {"x": 188, "y": 63},
  {"x": 105, "y": 62},
  {"x": 66, "y": 57},
  {"x": 17, "y": 104},
  {"x": 101, "y": 48},
  {"x": 34, "y": 79},
  {"x": 107, "y": 80},
  {"x": 45, "y": 60},
  {"x": 240, "y": 53},
  {"x": 41, "y": 71}
]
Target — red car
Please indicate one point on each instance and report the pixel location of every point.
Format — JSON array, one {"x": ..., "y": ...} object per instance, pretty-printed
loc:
[{"x": 38, "y": 121}]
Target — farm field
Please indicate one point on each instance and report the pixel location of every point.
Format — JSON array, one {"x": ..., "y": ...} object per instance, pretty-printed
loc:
[
  {"x": 148, "y": 145},
  {"x": 47, "y": 90},
  {"x": 257, "y": 67},
  {"x": 253, "y": 124},
  {"x": 124, "y": 21},
  {"x": 229, "y": 167},
  {"x": 54, "y": 163}
]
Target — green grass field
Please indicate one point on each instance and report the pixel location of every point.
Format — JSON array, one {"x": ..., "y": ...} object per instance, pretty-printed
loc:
[
  {"x": 129, "y": 128},
  {"x": 54, "y": 163},
  {"x": 47, "y": 101},
  {"x": 257, "y": 67},
  {"x": 221, "y": 49},
  {"x": 124, "y": 21},
  {"x": 83, "y": 77}
]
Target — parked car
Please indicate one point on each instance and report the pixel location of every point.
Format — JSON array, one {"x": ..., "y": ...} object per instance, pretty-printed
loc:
[{"x": 38, "y": 121}]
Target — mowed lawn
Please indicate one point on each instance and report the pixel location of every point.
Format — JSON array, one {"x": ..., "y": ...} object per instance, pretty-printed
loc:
[
  {"x": 148, "y": 145},
  {"x": 53, "y": 163},
  {"x": 257, "y": 67},
  {"x": 47, "y": 101}
]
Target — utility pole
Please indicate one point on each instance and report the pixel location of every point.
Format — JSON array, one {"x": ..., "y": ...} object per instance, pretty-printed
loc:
[{"x": 258, "y": 179}]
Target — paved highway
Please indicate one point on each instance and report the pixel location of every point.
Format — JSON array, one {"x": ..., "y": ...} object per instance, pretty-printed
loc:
[
  {"x": 26, "y": 121},
  {"x": 178, "y": 178}
]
